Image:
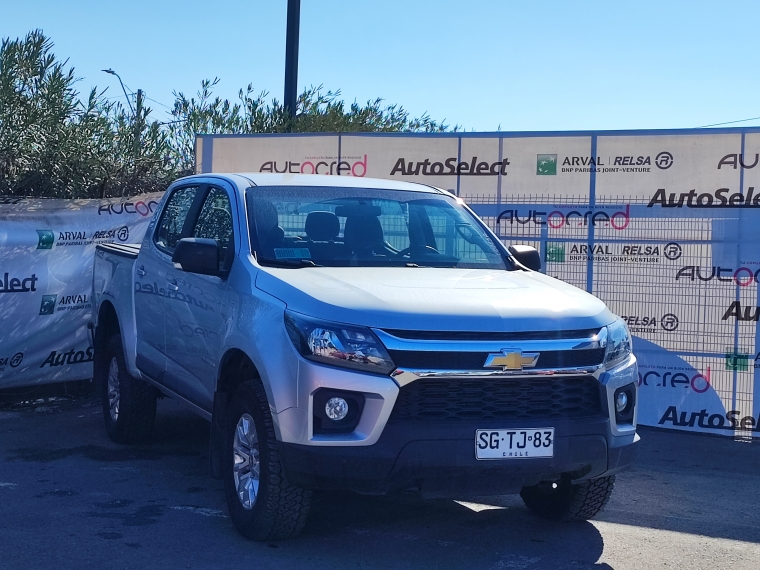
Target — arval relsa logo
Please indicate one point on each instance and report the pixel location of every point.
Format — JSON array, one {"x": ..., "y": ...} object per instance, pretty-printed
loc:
[
  {"x": 546, "y": 164},
  {"x": 45, "y": 239},
  {"x": 47, "y": 306}
]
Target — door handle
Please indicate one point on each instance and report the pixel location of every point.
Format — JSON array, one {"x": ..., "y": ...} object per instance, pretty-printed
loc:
[
  {"x": 141, "y": 271},
  {"x": 172, "y": 285}
]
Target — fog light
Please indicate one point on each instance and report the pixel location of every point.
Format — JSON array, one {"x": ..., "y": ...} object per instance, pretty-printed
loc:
[
  {"x": 621, "y": 402},
  {"x": 336, "y": 409}
]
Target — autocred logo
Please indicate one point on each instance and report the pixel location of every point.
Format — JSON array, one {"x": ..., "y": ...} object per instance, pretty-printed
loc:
[
  {"x": 140, "y": 207},
  {"x": 12, "y": 361},
  {"x": 743, "y": 277},
  {"x": 638, "y": 324},
  {"x": 734, "y": 160},
  {"x": 451, "y": 166},
  {"x": 568, "y": 217},
  {"x": 699, "y": 382},
  {"x": 721, "y": 198},
  {"x": 328, "y": 165},
  {"x": 731, "y": 420}
]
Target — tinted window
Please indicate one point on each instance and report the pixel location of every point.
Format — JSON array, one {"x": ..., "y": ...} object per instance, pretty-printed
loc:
[
  {"x": 215, "y": 222},
  {"x": 174, "y": 216},
  {"x": 295, "y": 226}
]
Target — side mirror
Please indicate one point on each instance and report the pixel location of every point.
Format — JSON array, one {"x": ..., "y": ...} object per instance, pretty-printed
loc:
[
  {"x": 524, "y": 255},
  {"x": 197, "y": 255}
]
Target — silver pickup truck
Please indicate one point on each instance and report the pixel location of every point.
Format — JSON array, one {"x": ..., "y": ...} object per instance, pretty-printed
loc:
[{"x": 361, "y": 335}]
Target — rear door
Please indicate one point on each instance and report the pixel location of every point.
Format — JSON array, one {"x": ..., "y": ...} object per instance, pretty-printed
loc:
[{"x": 151, "y": 287}]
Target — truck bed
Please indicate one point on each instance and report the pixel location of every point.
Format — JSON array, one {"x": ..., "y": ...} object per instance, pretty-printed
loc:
[{"x": 129, "y": 250}]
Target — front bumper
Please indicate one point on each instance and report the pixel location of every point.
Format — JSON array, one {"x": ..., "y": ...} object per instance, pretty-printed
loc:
[{"x": 439, "y": 460}]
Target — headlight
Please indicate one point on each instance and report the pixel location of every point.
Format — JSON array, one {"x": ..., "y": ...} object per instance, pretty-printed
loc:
[
  {"x": 337, "y": 344},
  {"x": 618, "y": 343}
]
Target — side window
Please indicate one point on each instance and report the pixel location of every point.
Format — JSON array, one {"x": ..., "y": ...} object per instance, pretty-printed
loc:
[
  {"x": 174, "y": 216},
  {"x": 215, "y": 222}
]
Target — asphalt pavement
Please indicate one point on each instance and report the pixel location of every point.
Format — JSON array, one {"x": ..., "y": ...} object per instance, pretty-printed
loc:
[{"x": 70, "y": 498}]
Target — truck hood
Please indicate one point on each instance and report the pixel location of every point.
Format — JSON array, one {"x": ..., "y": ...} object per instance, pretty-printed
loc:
[{"x": 447, "y": 299}]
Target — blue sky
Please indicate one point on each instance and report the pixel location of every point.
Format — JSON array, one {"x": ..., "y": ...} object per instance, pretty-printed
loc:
[{"x": 547, "y": 65}]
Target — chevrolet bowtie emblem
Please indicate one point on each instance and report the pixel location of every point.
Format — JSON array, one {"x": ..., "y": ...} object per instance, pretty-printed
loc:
[{"x": 512, "y": 360}]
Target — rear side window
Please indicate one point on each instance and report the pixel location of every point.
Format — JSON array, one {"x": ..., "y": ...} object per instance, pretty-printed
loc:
[
  {"x": 215, "y": 222},
  {"x": 174, "y": 216}
]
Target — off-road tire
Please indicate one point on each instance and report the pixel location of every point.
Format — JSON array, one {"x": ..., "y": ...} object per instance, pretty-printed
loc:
[
  {"x": 569, "y": 502},
  {"x": 280, "y": 509},
  {"x": 137, "y": 399}
]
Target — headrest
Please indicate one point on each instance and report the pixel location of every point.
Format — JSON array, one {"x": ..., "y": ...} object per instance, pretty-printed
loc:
[
  {"x": 322, "y": 226},
  {"x": 363, "y": 232},
  {"x": 265, "y": 214}
]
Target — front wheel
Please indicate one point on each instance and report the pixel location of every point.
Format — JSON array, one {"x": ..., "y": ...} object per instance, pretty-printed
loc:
[
  {"x": 563, "y": 500},
  {"x": 262, "y": 504},
  {"x": 129, "y": 404}
]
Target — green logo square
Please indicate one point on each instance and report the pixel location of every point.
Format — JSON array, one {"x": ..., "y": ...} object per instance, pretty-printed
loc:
[
  {"x": 555, "y": 253},
  {"x": 45, "y": 239},
  {"x": 546, "y": 164},
  {"x": 47, "y": 307},
  {"x": 737, "y": 361}
]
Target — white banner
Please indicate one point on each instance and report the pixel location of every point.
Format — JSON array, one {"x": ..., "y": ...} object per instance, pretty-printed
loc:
[
  {"x": 664, "y": 226},
  {"x": 46, "y": 257}
]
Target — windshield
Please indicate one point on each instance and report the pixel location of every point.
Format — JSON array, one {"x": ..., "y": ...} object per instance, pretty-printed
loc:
[{"x": 294, "y": 226}]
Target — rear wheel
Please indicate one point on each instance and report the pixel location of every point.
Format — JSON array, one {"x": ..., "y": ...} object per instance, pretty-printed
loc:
[
  {"x": 567, "y": 501},
  {"x": 262, "y": 504},
  {"x": 129, "y": 404}
]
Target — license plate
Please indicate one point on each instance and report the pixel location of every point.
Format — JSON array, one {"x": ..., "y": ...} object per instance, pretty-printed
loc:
[{"x": 514, "y": 443}]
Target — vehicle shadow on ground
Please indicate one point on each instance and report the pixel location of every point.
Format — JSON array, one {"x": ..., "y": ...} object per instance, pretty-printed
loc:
[{"x": 446, "y": 533}]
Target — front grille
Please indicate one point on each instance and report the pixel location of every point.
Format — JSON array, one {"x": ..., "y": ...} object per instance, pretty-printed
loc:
[
  {"x": 453, "y": 399},
  {"x": 486, "y": 336},
  {"x": 435, "y": 360}
]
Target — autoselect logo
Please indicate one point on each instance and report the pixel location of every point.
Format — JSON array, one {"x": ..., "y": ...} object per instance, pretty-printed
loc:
[
  {"x": 451, "y": 166},
  {"x": 569, "y": 217},
  {"x": 721, "y": 198},
  {"x": 743, "y": 277},
  {"x": 12, "y": 361},
  {"x": 699, "y": 382},
  {"x": 71, "y": 357},
  {"x": 547, "y": 163},
  {"x": 140, "y": 207},
  {"x": 10, "y": 284},
  {"x": 731, "y": 420},
  {"x": 638, "y": 324},
  {"x": 332, "y": 165},
  {"x": 748, "y": 313}
]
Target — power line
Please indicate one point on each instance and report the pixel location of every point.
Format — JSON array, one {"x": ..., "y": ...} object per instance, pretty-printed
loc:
[{"x": 728, "y": 123}]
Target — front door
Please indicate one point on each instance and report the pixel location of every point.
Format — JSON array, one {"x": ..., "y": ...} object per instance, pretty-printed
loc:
[{"x": 195, "y": 326}]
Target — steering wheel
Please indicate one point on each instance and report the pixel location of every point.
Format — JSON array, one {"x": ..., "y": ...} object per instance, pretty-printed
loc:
[{"x": 424, "y": 249}]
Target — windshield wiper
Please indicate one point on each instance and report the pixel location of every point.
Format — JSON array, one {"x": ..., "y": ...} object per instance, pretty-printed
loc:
[{"x": 295, "y": 263}]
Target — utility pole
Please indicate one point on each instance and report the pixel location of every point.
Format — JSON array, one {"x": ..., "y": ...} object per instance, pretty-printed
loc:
[
  {"x": 291, "y": 57},
  {"x": 138, "y": 125}
]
